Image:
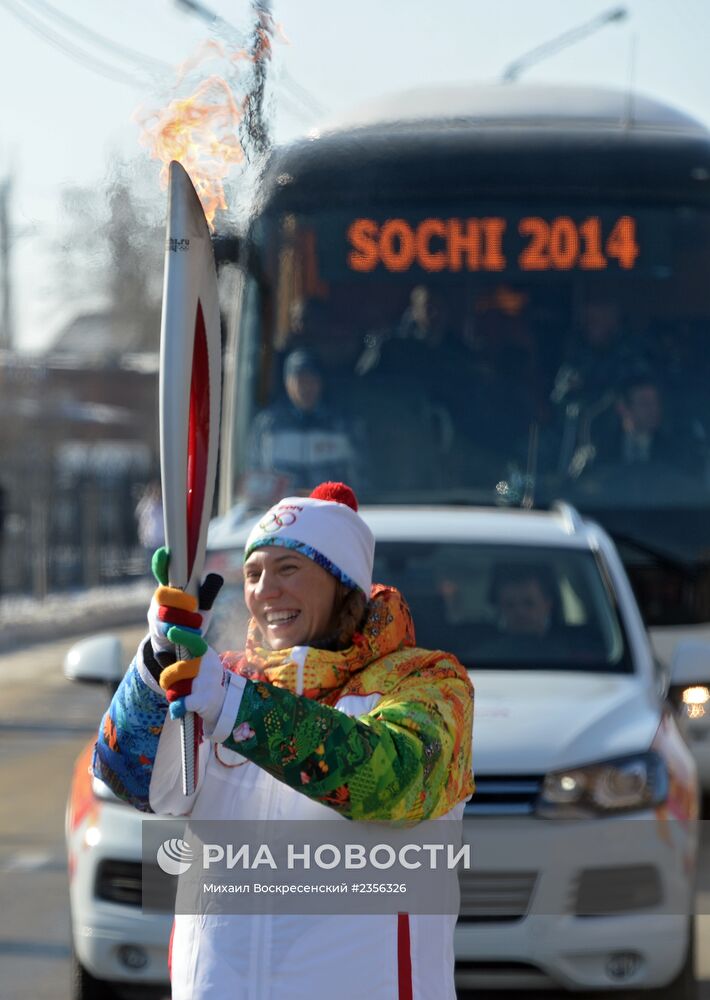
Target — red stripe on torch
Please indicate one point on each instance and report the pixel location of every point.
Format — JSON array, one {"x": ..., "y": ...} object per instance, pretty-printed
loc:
[{"x": 198, "y": 437}]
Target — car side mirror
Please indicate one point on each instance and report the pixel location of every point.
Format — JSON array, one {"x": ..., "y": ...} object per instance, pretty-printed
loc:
[{"x": 96, "y": 660}]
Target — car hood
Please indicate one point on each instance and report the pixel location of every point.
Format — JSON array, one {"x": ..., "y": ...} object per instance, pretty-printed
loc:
[{"x": 529, "y": 722}]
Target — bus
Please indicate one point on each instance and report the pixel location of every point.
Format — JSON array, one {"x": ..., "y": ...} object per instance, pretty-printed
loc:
[{"x": 500, "y": 296}]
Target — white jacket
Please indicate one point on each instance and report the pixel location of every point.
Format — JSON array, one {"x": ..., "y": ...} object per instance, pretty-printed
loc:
[
  {"x": 413, "y": 706},
  {"x": 291, "y": 957}
]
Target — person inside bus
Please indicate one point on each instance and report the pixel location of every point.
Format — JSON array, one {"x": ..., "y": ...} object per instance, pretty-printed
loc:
[
  {"x": 301, "y": 438},
  {"x": 503, "y": 377},
  {"x": 413, "y": 345},
  {"x": 596, "y": 359},
  {"x": 637, "y": 432},
  {"x": 585, "y": 386},
  {"x": 412, "y": 370}
]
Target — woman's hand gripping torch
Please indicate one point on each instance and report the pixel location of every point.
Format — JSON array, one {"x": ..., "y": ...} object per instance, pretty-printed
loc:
[{"x": 190, "y": 389}]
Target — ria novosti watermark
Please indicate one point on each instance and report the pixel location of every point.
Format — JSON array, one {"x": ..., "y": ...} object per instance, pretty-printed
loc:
[
  {"x": 253, "y": 867},
  {"x": 175, "y": 856}
]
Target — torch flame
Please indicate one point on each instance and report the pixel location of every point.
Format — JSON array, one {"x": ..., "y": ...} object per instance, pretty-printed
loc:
[{"x": 202, "y": 133}]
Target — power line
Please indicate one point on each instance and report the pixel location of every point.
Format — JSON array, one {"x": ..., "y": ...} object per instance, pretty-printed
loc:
[
  {"x": 122, "y": 51},
  {"x": 296, "y": 108},
  {"x": 299, "y": 92},
  {"x": 75, "y": 53}
]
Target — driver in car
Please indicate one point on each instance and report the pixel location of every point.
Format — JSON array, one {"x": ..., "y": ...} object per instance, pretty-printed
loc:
[
  {"x": 525, "y": 600},
  {"x": 528, "y": 612}
]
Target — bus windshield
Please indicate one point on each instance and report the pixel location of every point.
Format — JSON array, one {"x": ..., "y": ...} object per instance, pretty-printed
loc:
[{"x": 486, "y": 352}]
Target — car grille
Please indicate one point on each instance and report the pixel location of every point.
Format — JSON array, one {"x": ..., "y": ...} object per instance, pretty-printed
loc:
[
  {"x": 495, "y": 896},
  {"x": 504, "y": 895},
  {"x": 502, "y": 975},
  {"x": 504, "y": 796},
  {"x": 119, "y": 882}
]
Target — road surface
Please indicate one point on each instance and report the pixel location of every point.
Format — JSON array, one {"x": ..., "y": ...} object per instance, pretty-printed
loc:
[{"x": 44, "y": 722}]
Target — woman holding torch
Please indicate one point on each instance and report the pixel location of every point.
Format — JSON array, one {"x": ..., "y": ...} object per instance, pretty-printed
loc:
[{"x": 331, "y": 710}]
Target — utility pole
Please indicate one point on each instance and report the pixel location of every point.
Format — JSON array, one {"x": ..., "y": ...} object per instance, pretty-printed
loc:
[
  {"x": 302, "y": 103},
  {"x": 7, "y": 333},
  {"x": 256, "y": 125}
]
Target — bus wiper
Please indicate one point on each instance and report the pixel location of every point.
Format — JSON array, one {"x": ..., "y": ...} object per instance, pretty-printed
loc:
[{"x": 682, "y": 566}]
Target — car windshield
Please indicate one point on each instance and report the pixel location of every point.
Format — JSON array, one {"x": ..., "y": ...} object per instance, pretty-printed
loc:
[
  {"x": 502, "y": 607},
  {"x": 508, "y": 607}
]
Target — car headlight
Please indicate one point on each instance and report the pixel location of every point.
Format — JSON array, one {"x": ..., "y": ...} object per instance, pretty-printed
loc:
[
  {"x": 695, "y": 701},
  {"x": 613, "y": 786}
]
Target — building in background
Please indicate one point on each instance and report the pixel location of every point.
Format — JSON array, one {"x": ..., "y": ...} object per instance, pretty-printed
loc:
[{"x": 79, "y": 440}]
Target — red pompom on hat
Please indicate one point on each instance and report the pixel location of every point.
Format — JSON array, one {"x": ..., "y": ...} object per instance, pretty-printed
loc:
[{"x": 337, "y": 492}]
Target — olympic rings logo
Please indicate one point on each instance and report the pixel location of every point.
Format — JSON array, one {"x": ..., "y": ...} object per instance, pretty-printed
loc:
[{"x": 278, "y": 519}]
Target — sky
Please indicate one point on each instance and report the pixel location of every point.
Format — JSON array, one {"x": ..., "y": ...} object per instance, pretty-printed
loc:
[{"x": 70, "y": 84}]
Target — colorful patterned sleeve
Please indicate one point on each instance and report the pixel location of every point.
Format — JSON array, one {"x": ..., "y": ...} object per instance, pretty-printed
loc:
[
  {"x": 407, "y": 760},
  {"x": 128, "y": 739}
]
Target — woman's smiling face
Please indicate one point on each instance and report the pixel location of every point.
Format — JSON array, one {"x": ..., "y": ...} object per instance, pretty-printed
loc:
[{"x": 289, "y": 595}]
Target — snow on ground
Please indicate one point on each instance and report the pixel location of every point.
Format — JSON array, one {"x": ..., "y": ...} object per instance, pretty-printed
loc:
[{"x": 24, "y": 620}]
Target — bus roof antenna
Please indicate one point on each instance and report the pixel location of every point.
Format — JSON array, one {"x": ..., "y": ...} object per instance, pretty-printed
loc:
[
  {"x": 513, "y": 70},
  {"x": 631, "y": 91}
]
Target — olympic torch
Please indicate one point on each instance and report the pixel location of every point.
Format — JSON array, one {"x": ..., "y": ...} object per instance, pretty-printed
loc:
[{"x": 190, "y": 389}]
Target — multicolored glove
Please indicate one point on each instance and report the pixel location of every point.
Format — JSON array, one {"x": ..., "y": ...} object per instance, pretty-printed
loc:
[
  {"x": 170, "y": 606},
  {"x": 178, "y": 619},
  {"x": 207, "y": 689}
]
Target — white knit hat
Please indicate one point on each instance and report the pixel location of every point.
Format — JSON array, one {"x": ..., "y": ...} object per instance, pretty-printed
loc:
[{"x": 325, "y": 527}]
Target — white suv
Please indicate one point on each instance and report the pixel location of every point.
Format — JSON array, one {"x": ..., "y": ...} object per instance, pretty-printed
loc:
[{"x": 583, "y": 823}]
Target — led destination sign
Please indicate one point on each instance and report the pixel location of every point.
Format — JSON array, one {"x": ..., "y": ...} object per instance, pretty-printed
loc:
[{"x": 493, "y": 243}]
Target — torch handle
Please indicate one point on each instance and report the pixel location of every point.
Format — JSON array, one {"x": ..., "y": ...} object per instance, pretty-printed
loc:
[
  {"x": 187, "y": 740},
  {"x": 188, "y": 723},
  {"x": 187, "y": 753}
]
